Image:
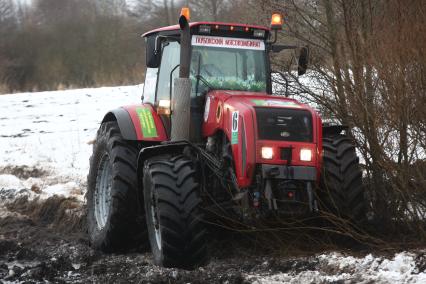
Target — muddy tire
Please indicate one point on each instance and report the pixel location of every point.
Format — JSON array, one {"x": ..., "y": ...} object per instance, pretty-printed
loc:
[
  {"x": 114, "y": 219},
  {"x": 174, "y": 219},
  {"x": 341, "y": 191}
]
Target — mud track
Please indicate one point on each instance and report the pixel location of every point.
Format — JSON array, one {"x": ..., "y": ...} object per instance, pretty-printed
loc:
[{"x": 45, "y": 241}]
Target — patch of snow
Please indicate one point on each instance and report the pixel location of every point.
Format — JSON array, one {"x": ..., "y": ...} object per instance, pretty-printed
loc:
[
  {"x": 10, "y": 182},
  {"x": 76, "y": 266},
  {"x": 336, "y": 267},
  {"x": 66, "y": 190}
]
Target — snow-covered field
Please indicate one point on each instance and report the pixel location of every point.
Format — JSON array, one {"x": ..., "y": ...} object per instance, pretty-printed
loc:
[
  {"x": 52, "y": 132},
  {"x": 45, "y": 144}
]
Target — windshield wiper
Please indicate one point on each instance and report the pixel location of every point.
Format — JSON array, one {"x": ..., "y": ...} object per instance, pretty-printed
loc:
[
  {"x": 205, "y": 82},
  {"x": 199, "y": 78}
]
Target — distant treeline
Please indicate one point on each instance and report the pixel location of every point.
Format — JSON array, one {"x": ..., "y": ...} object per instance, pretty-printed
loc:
[
  {"x": 52, "y": 44},
  {"x": 61, "y": 43}
]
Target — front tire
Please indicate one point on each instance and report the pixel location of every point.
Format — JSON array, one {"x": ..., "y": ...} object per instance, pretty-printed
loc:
[
  {"x": 113, "y": 218},
  {"x": 173, "y": 215},
  {"x": 342, "y": 192}
]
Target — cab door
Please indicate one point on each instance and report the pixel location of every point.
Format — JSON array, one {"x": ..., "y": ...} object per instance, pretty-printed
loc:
[{"x": 159, "y": 81}]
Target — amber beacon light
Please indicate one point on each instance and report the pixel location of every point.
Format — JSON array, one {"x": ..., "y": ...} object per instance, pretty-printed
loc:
[
  {"x": 186, "y": 13},
  {"x": 276, "y": 22}
]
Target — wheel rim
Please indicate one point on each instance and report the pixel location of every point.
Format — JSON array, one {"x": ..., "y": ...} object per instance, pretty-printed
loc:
[
  {"x": 156, "y": 221},
  {"x": 103, "y": 192}
]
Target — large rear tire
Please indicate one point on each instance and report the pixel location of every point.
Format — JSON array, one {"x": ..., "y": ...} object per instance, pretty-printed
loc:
[
  {"x": 115, "y": 222},
  {"x": 174, "y": 219},
  {"x": 342, "y": 192}
]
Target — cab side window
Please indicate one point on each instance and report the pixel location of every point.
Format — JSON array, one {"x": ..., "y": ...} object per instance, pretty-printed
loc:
[
  {"x": 150, "y": 85},
  {"x": 169, "y": 61}
]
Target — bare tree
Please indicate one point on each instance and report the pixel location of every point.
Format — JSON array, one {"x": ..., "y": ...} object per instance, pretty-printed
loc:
[
  {"x": 7, "y": 26},
  {"x": 369, "y": 73},
  {"x": 6, "y": 10},
  {"x": 209, "y": 9}
]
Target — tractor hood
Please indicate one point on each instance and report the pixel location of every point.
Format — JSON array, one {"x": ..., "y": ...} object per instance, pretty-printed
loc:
[
  {"x": 256, "y": 99},
  {"x": 272, "y": 118},
  {"x": 253, "y": 120}
]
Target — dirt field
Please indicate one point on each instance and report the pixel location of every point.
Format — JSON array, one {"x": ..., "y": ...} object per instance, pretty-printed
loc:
[{"x": 45, "y": 241}]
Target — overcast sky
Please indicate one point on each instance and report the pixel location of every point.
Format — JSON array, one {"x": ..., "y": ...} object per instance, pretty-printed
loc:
[
  {"x": 23, "y": 1},
  {"x": 29, "y": 1}
]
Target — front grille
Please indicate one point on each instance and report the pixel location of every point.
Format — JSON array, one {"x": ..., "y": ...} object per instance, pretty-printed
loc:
[
  {"x": 286, "y": 154},
  {"x": 281, "y": 124}
]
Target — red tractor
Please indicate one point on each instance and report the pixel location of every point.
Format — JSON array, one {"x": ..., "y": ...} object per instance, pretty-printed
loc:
[{"x": 209, "y": 136}]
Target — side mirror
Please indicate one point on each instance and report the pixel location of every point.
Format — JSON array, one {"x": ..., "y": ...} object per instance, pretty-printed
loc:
[
  {"x": 153, "y": 57},
  {"x": 303, "y": 60}
]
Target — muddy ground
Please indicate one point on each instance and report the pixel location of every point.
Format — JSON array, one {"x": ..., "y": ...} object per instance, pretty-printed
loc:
[{"x": 45, "y": 241}]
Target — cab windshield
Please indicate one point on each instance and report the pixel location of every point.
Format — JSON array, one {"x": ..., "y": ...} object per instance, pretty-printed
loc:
[{"x": 225, "y": 68}]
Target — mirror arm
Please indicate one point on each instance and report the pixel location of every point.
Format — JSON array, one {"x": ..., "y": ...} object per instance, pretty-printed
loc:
[
  {"x": 171, "y": 83},
  {"x": 275, "y": 38}
]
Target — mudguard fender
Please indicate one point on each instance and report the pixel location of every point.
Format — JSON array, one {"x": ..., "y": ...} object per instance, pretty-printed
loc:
[
  {"x": 156, "y": 150},
  {"x": 138, "y": 123}
]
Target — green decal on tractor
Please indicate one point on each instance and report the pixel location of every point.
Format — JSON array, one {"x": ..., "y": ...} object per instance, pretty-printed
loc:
[
  {"x": 149, "y": 129},
  {"x": 234, "y": 138},
  {"x": 275, "y": 103},
  {"x": 259, "y": 102}
]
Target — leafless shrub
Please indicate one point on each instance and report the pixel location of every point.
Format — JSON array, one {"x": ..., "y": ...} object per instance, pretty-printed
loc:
[{"x": 368, "y": 72}]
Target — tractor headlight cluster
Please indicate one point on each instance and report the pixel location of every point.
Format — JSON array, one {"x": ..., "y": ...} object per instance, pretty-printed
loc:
[
  {"x": 306, "y": 155},
  {"x": 267, "y": 153}
]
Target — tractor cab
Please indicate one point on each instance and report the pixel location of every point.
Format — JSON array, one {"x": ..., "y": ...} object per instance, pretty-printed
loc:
[
  {"x": 223, "y": 56},
  {"x": 228, "y": 56}
]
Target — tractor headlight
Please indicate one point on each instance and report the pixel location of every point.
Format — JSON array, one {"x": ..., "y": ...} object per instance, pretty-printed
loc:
[
  {"x": 306, "y": 155},
  {"x": 267, "y": 153}
]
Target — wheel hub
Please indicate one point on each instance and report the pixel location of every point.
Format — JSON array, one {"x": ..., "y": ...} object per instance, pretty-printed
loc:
[{"x": 102, "y": 196}]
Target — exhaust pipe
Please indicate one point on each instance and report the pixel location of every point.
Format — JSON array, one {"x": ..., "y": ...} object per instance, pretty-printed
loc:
[{"x": 181, "y": 101}]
